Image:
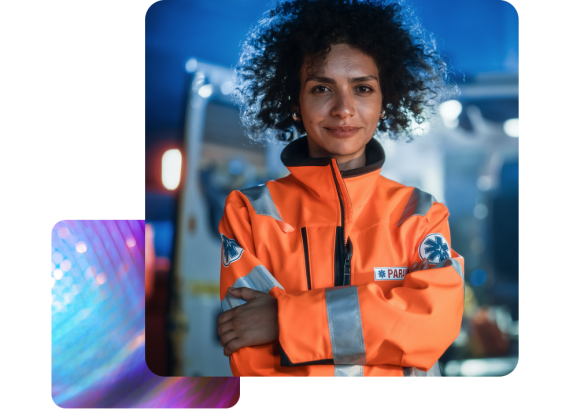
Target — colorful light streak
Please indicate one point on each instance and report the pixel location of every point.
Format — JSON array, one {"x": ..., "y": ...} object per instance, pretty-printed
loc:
[{"x": 98, "y": 324}]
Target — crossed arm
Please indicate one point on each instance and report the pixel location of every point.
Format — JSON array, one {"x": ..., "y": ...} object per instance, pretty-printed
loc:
[{"x": 256, "y": 322}]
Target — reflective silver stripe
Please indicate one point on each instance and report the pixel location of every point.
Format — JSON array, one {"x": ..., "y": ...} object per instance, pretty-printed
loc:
[
  {"x": 345, "y": 328},
  {"x": 418, "y": 205},
  {"x": 259, "y": 278},
  {"x": 261, "y": 200},
  {"x": 457, "y": 267},
  {"x": 434, "y": 371},
  {"x": 348, "y": 370},
  {"x": 451, "y": 262}
]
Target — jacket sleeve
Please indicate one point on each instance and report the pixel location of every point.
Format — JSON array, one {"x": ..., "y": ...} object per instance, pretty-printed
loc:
[
  {"x": 410, "y": 326},
  {"x": 241, "y": 268}
]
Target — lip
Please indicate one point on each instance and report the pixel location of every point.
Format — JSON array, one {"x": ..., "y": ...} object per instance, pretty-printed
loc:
[{"x": 342, "y": 131}]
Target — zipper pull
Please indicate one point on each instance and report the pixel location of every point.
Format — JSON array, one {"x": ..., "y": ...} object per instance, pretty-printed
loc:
[
  {"x": 347, "y": 267},
  {"x": 347, "y": 270}
]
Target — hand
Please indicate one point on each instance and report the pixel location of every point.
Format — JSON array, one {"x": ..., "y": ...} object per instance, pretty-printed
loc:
[
  {"x": 254, "y": 323},
  {"x": 424, "y": 265}
]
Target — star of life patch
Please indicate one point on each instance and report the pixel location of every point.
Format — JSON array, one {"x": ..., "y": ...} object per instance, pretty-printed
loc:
[
  {"x": 231, "y": 251},
  {"x": 390, "y": 273},
  {"x": 435, "y": 248}
]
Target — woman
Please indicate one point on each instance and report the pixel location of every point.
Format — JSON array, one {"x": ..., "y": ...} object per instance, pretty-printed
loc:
[{"x": 314, "y": 276}]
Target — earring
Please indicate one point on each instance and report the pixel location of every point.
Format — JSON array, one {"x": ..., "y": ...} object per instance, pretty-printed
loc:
[
  {"x": 382, "y": 115},
  {"x": 295, "y": 116}
]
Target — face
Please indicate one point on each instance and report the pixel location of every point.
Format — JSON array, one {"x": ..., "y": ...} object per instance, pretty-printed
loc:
[{"x": 340, "y": 104}]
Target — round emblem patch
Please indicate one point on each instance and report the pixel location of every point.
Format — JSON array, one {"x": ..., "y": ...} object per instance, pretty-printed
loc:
[
  {"x": 231, "y": 251},
  {"x": 435, "y": 248}
]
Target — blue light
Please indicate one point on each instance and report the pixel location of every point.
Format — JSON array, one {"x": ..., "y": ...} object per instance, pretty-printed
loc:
[
  {"x": 478, "y": 277},
  {"x": 191, "y": 65},
  {"x": 163, "y": 237},
  {"x": 87, "y": 306},
  {"x": 98, "y": 325},
  {"x": 235, "y": 167}
]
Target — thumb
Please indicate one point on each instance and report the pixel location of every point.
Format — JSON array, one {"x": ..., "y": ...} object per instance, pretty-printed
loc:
[{"x": 245, "y": 293}]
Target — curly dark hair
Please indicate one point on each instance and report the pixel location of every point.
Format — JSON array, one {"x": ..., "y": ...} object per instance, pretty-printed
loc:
[{"x": 412, "y": 73}]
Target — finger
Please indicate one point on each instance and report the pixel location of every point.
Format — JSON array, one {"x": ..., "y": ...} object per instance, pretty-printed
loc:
[
  {"x": 414, "y": 266},
  {"x": 227, "y": 337},
  {"x": 234, "y": 292},
  {"x": 245, "y": 293},
  {"x": 226, "y": 326},
  {"x": 233, "y": 346},
  {"x": 226, "y": 316}
]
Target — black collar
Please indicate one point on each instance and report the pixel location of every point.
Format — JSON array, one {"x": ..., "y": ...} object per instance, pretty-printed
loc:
[{"x": 296, "y": 154}]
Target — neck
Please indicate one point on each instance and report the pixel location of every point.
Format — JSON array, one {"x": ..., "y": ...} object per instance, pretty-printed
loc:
[
  {"x": 315, "y": 151},
  {"x": 354, "y": 163}
]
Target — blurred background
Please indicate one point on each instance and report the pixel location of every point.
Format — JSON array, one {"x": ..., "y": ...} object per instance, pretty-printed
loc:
[{"x": 196, "y": 154}]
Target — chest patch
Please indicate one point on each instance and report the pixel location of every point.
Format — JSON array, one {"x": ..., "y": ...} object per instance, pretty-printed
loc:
[
  {"x": 231, "y": 251},
  {"x": 435, "y": 248},
  {"x": 390, "y": 273}
]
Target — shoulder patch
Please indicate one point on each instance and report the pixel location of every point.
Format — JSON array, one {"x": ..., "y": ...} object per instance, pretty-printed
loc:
[
  {"x": 435, "y": 248},
  {"x": 231, "y": 251}
]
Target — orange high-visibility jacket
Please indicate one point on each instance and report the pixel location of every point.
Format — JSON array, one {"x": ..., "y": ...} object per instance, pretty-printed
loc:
[{"x": 334, "y": 247}]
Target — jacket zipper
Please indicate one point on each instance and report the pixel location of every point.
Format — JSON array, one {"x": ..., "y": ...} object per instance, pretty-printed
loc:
[
  {"x": 347, "y": 248},
  {"x": 306, "y": 261},
  {"x": 341, "y": 201}
]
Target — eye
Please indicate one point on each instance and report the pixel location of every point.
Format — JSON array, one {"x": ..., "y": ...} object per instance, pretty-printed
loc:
[
  {"x": 319, "y": 89},
  {"x": 364, "y": 89}
]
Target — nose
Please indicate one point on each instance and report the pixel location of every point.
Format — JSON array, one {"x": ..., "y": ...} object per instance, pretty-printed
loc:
[{"x": 344, "y": 105}]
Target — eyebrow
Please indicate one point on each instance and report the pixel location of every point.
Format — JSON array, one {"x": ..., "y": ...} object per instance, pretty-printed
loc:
[{"x": 327, "y": 80}]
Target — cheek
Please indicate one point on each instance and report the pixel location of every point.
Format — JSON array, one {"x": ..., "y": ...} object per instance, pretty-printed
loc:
[
  {"x": 370, "y": 112},
  {"x": 314, "y": 111},
  {"x": 314, "y": 107}
]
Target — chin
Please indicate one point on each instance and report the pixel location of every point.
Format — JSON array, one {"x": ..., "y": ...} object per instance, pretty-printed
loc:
[{"x": 344, "y": 147}]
